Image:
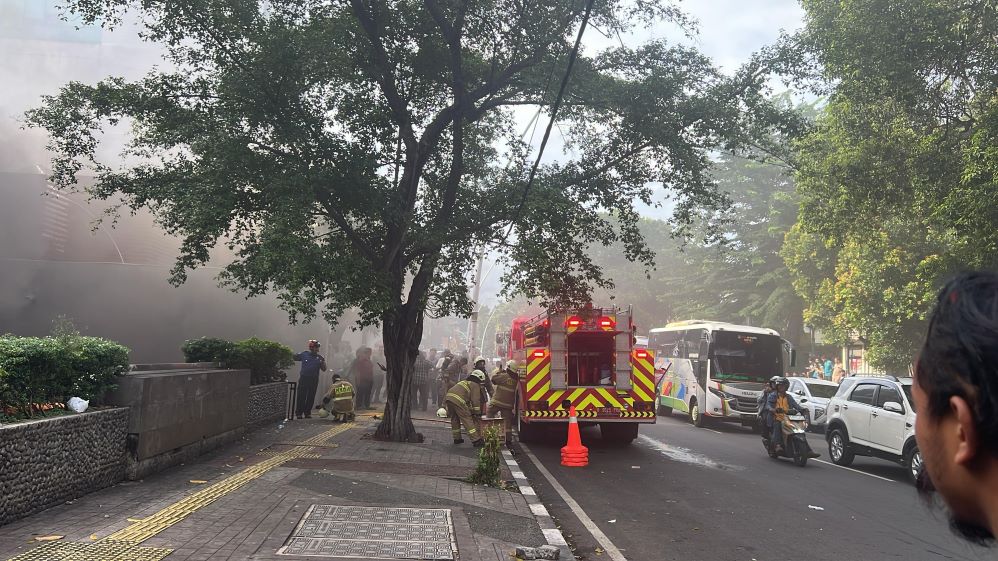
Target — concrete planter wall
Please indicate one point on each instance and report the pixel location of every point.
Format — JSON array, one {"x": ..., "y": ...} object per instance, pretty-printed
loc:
[
  {"x": 47, "y": 462},
  {"x": 268, "y": 403}
]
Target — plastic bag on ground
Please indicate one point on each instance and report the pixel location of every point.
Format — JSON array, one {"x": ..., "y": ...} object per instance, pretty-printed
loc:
[{"x": 77, "y": 405}]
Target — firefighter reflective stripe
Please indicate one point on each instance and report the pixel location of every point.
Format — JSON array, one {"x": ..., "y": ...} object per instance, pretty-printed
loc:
[
  {"x": 505, "y": 390},
  {"x": 462, "y": 393},
  {"x": 643, "y": 374},
  {"x": 342, "y": 391}
]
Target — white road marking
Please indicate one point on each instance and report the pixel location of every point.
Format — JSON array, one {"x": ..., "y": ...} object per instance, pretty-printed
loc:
[
  {"x": 712, "y": 430},
  {"x": 611, "y": 550},
  {"x": 855, "y": 470}
]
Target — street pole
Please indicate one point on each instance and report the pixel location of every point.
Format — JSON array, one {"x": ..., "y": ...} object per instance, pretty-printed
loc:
[
  {"x": 485, "y": 330},
  {"x": 473, "y": 320}
]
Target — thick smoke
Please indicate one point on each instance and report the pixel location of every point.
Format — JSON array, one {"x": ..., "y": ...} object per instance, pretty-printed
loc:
[{"x": 110, "y": 282}]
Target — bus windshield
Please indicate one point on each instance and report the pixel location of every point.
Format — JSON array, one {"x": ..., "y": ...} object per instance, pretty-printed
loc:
[{"x": 746, "y": 357}]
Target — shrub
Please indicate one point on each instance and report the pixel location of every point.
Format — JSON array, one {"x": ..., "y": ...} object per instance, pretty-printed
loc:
[
  {"x": 489, "y": 469},
  {"x": 266, "y": 360},
  {"x": 38, "y": 371},
  {"x": 207, "y": 349}
]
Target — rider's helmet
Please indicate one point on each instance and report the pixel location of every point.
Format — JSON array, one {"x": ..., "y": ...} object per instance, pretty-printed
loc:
[{"x": 782, "y": 381}]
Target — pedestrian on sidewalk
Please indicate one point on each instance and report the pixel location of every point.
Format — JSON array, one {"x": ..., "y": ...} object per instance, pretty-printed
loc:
[
  {"x": 454, "y": 373},
  {"x": 502, "y": 402},
  {"x": 380, "y": 371},
  {"x": 443, "y": 363},
  {"x": 363, "y": 372},
  {"x": 838, "y": 372},
  {"x": 463, "y": 408},
  {"x": 420, "y": 388},
  {"x": 308, "y": 378},
  {"x": 339, "y": 400}
]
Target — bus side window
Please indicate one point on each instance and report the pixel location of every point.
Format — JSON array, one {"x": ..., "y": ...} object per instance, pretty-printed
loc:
[{"x": 692, "y": 340}]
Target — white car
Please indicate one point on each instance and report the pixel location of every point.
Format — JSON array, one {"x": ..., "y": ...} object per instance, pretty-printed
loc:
[
  {"x": 874, "y": 416},
  {"x": 813, "y": 397}
]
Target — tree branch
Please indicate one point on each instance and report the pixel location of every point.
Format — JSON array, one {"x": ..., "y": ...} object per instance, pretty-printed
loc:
[{"x": 385, "y": 74}]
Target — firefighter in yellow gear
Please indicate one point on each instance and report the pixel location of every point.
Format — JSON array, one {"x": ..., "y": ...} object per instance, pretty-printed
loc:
[
  {"x": 339, "y": 400},
  {"x": 505, "y": 395},
  {"x": 463, "y": 404}
]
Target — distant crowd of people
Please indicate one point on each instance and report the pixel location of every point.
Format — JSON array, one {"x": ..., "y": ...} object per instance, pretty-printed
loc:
[{"x": 823, "y": 368}]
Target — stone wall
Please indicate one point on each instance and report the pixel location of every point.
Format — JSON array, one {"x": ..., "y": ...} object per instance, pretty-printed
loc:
[
  {"x": 47, "y": 462},
  {"x": 267, "y": 403}
]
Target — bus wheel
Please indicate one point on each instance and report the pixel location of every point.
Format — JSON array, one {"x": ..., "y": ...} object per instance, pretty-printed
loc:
[
  {"x": 618, "y": 433},
  {"x": 696, "y": 416}
]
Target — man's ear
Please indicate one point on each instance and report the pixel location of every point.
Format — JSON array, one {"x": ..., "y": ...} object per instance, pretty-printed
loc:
[{"x": 968, "y": 444}]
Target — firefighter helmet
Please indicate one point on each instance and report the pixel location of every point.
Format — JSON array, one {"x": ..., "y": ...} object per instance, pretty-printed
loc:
[
  {"x": 511, "y": 365},
  {"x": 479, "y": 358},
  {"x": 442, "y": 413},
  {"x": 323, "y": 413},
  {"x": 478, "y": 375}
]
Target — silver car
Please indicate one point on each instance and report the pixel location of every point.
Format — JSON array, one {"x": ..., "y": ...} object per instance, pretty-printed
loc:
[{"x": 812, "y": 395}]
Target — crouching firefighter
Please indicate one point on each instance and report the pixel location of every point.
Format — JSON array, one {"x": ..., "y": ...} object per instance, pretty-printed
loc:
[
  {"x": 339, "y": 400},
  {"x": 502, "y": 402},
  {"x": 463, "y": 404}
]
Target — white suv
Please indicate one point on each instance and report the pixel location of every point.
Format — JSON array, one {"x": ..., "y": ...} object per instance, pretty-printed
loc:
[{"x": 873, "y": 416}]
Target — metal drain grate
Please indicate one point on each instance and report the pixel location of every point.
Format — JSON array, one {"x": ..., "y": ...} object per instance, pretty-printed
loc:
[{"x": 373, "y": 533}]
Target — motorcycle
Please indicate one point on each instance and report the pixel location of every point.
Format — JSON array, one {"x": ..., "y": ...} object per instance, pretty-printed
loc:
[{"x": 795, "y": 446}]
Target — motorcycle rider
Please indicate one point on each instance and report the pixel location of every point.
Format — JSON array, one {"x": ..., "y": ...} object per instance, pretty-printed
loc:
[
  {"x": 764, "y": 416},
  {"x": 778, "y": 404}
]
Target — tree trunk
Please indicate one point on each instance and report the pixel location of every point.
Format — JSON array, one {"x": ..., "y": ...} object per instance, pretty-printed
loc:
[{"x": 403, "y": 331}]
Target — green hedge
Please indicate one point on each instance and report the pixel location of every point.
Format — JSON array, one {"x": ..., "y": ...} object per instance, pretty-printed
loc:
[
  {"x": 266, "y": 360},
  {"x": 42, "y": 370},
  {"x": 207, "y": 349}
]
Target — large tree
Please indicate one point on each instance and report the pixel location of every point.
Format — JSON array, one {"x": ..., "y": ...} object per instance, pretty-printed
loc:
[
  {"x": 897, "y": 180},
  {"x": 359, "y": 153}
]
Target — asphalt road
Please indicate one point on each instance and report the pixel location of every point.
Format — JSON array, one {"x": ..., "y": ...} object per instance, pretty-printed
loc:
[{"x": 685, "y": 493}]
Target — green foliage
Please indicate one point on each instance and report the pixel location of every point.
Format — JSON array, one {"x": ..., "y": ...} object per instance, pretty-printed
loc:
[
  {"x": 207, "y": 349},
  {"x": 488, "y": 471},
  {"x": 897, "y": 181},
  {"x": 265, "y": 360},
  {"x": 36, "y": 371},
  {"x": 356, "y": 154}
]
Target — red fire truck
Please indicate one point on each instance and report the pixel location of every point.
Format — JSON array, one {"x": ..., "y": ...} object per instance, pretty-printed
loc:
[{"x": 586, "y": 358}]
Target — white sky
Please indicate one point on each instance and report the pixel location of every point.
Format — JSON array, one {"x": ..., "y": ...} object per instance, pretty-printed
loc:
[{"x": 729, "y": 32}]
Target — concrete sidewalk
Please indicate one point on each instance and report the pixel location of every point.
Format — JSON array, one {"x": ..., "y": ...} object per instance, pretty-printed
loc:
[{"x": 304, "y": 477}]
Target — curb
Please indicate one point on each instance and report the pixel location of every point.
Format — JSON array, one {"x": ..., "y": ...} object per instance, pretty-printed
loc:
[{"x": 552, "y": 534}]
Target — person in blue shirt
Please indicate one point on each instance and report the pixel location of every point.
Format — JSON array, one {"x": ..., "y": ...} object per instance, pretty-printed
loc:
[
  {"x": 828, "y": 367},
  {"x": 308, "y": 380}
]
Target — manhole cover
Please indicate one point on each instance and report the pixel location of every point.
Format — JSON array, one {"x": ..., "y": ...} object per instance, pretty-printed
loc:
[{"x": 373, "y": 533}]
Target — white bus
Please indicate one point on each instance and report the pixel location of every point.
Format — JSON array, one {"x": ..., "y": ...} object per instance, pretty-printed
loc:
[{"x": 715, "y": 370}]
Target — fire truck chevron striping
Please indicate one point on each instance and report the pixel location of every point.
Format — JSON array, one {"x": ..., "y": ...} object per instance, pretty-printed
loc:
[{"x": 583, "y": 358}]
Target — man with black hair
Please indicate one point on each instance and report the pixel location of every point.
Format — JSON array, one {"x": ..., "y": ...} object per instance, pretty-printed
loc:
[
  {"x": 956, "y": 396},
  {"x": 308, "y": 379}
]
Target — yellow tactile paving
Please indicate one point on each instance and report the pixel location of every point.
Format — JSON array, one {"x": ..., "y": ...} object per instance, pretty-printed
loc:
[{"x": 123, "y": 545}]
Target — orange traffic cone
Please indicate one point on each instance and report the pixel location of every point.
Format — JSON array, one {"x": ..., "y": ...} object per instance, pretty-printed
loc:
[{"x": 574, "y": 454}]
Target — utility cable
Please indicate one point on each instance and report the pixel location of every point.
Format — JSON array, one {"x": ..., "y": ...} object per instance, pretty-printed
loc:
[{"x": 554, "y": 115}]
